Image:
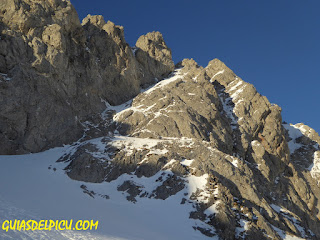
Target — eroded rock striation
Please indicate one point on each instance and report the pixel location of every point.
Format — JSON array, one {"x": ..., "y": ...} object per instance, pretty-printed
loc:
[{"x": 201, "y": 132}]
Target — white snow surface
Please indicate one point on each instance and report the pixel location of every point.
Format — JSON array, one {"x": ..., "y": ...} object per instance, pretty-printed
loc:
[
  {"x": 235, "y": 88},
  {"x": 131, "y": 143},
  {"x": 234, "y": 161},
  {"x": 244, "y": 226},
  {"x": 314, "y": 168},
  {"x": 187, "y": 162},
  {"x": 176, "y": 75},
  {"x": 200, "y": 184},
  {"x": 230, "y": 104},
  {"x": 213, "y": 209},
  {"x": 229, "y": 110},
  {"x": 286, "y": 236},
  {"x": 294, "y": 132},
  {"x": 35, "y": 192},
  {"x": 216, "y": 74},
  {"x": 291, "y": 217}
]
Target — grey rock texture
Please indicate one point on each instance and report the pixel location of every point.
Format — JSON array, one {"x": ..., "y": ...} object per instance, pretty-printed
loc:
[
  {"x": 131, "y": 189},
  {"x": 187, "y": 107},
  {"x": 57, "y": 72},
  {"x": 252, "y": 117},
  {"x": 262, "y": 176},
  {"x": 154, "y": 56},
  {"x": 202, "y": 135}
]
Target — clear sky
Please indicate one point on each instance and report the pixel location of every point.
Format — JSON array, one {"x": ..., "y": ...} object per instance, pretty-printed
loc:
[{"x": 273, "y": 44}]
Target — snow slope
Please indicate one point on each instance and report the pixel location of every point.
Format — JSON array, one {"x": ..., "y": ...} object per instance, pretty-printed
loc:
[{"x": 29, "y": 190}]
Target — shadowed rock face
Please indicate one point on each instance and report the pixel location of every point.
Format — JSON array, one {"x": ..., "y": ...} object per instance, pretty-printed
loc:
[
  {"x": 259, "y": 178},
  {"x": 257, "y": 119},
  {"x": 55, "y": 72},
  {"x": 226, "y": 129},
  {"x": 211, "y": 104},
  {"x": 154, "y": 56}
]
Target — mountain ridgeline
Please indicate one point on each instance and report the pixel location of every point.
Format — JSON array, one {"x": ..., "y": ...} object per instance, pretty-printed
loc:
[
  {"x": 56, "y": 72},
  {"x": 66, "y": 82}
]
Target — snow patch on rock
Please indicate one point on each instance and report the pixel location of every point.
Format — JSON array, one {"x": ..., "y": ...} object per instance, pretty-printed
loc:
[
  {"x": 294, "y": 132},
  {"x": 315, "y": 166}
]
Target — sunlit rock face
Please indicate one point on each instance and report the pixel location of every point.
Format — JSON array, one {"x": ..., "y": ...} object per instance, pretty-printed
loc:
[
  {"x": 149, "y": 131},
  {"x": 206, "y": 133}
]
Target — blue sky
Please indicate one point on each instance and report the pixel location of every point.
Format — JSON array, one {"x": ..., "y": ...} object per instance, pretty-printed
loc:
[{"x": 274, "y": 44}]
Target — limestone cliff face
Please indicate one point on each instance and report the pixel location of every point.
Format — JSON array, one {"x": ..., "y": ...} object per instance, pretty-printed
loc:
[
  {"x": 252, "y": 118},
  {"x": 212, "y": 104},
  {"x": 238, "y": 137},
  {"x": 56, "y": 72},
  {"x": 207, "y": 122},
  {"x": 62, "y": 81},
  {"x": 154, "y": 56}
]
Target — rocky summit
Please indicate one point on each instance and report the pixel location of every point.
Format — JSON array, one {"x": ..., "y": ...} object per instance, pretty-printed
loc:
[{"x": 159, "y": 131}]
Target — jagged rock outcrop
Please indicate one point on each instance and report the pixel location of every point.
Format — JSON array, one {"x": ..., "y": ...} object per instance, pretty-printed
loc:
[
  {"x": 186, "y": 107},
  {"x": 154, "y": 56},
  {"x": 211, "y": 104},
  {"x": 208, "y": 123},
  {"x": 252, "y": 118},
  {"x": 202, "y": 135},
  {"x": 55, "y": 72}
]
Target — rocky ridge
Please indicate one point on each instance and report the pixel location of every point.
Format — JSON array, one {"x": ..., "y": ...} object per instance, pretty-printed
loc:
[
  {"x": 207, "y": 132},
  {"x": 57, "y": 72},
  {"x": 203, "y": 132}
]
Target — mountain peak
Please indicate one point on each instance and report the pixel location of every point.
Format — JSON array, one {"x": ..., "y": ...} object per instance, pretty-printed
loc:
[{"x": 198, "y": 139}]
